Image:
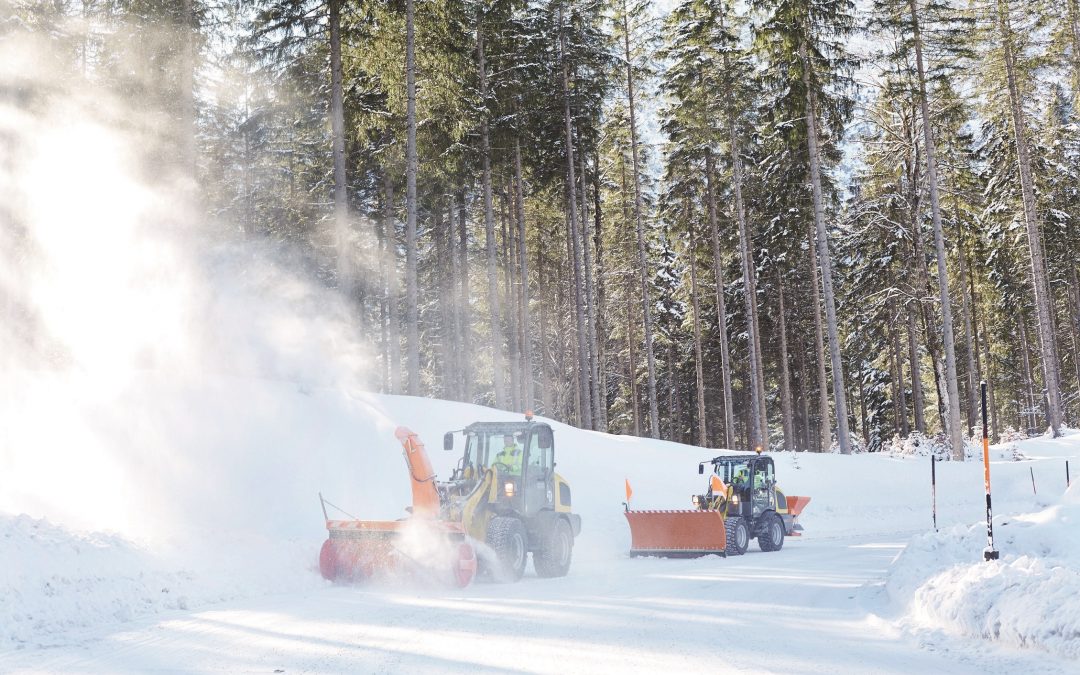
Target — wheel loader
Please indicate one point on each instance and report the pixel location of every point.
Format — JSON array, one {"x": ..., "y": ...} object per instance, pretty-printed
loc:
[
  {"x": 742, "y": 502},
  {"x": 503, "y": 496}
]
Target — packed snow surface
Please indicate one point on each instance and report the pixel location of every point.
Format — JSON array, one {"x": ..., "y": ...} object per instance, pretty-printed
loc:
[{"x": 218, "y": 569}]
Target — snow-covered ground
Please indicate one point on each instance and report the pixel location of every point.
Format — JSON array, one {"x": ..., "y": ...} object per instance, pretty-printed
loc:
[{"x": 216, "y": 569}]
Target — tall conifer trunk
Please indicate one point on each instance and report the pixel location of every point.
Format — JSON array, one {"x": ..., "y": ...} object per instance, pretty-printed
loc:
[
  {"x": 523, "y": 258},
  {"x": 1047, "y": 341},
  {"x": 953, "y": 401},
  {"x": 337, "y": 126},
  {"x": 824, "y": 429},
  {"x": 646, "y": 309},
  {"x": 699, "y": 372},
  {"x": 825, "y": 260},
  {"x": 721, "y": 306},
  {"x": 785, "y": 378},
  {"x": 494, "y": 309},
  {"x": 582, "y": 373},
  {"x": 412, "y": 312}
]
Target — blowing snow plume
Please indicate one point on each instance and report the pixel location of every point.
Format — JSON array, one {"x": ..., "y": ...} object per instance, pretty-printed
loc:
[{"x": 160, "y": 378}]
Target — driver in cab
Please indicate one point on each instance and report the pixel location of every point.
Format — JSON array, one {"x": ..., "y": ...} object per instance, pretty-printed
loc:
[{"x": 510, "y": 455}]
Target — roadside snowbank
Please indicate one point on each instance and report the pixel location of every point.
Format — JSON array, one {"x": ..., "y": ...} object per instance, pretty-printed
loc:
[
  {"x": 56, "y": 582},
  {"x": 1026, "y": 599}
]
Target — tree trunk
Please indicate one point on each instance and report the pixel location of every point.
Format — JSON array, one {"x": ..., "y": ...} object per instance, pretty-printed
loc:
[
  {"x": 970, "y": 338},
  {"x": 634, "y": 396},
  {"x": 1029, "y": 376},
  {"x": 952, "y": 417},
  {"x": 1047, "y": 340},
  {"x": 187, "y": 93},
  {"x": 825, "y": 261},
  {"x": 590, "y": 304},
  {"x": 760, "y": 435},
  {"x": 584, "y": 368},
  {"x": 996, "y": 430},
  {"x": 337, "y": 125},
  {"x": 1074, "y": 306},
  {"x": 1074, "y": 25},
  {"x": 917, "y": 398},
  {"x": 824, "y": 429},
  {"x": 465, "y": 338},
  {"x": 412, "y": 312},
  {"x": 523, "y": 258},
  {"x": 544, "y": 280},
  {"x": 494, "y": 310},
  {"x": 721, "y": 306},
  {"x": 898, "y": 357},
  {"x": 785, "y": 378},
  {"x": 601, "y": 326},
  {"x": 646, "y": 309},
  {"x": 393, "y": 286},
  {"x": 509, "y": 254},
  {"x": 699, "y": 372}
]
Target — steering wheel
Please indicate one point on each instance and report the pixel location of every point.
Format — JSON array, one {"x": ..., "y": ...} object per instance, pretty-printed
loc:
[{"x": 501, "y": 466}]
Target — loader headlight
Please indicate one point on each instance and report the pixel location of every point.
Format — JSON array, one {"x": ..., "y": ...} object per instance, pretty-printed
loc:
[
  {"x": 696, "y": 500},
  {"x": 734, "y": 500},
  {"x": 508, "y": 488}
]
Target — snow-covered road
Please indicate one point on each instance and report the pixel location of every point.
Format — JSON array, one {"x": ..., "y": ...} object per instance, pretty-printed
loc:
[{"x": 815, "y": 607}]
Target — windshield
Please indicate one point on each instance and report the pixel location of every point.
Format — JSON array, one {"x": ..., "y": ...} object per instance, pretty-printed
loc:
[
  {"x": 734, "y": 473},
  {"x": 484, "y": 449}
]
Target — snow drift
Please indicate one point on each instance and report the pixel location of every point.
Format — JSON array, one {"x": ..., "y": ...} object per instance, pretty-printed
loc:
[{"x": 1025, "y": 599}]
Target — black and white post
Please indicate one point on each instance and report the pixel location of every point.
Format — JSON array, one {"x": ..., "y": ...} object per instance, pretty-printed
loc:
[{"x": 989, "y": 553}]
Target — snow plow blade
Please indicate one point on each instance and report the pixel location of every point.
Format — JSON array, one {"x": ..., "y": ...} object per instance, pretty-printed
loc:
[{"x": 676, "y": 534}]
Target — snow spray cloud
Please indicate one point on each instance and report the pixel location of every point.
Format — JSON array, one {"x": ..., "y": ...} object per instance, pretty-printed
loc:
[{"x": 154, "y": 374}]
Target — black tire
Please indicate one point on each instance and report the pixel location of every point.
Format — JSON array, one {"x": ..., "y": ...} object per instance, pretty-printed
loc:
[
  {"x": 772, "y": 536},
  {"x": 553, "y": 560},
  {"x": 738, "y": 537},
  {"x": 507, "y": 537}
]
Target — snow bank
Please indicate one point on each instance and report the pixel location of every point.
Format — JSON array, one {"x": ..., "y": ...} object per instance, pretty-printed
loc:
[
  {"x": 56, "y": 581},
  {"x": 1025, "y": 599}
]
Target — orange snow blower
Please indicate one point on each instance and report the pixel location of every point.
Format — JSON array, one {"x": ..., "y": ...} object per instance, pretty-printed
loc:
[
  {"x": 424, "y": 543},
  {"x": 742, "y": 502}
]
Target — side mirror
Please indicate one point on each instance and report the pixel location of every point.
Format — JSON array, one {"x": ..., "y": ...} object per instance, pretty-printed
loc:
[
  {"x": 545, "y": 438},
  {"x": 701, "y": 468},
  {"x": 448, "y": 441}
]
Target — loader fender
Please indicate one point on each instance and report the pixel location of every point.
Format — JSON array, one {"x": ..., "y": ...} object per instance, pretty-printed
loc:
[{"x": 543, "y": 524}]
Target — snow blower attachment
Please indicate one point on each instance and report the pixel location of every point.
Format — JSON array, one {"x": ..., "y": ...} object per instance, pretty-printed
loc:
[
  {"x": 742, "y": 502},
  {"x": 424, "y": 543}
]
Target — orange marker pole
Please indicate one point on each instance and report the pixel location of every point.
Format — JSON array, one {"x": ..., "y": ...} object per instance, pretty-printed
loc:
[{"x": 989, "y": 553}]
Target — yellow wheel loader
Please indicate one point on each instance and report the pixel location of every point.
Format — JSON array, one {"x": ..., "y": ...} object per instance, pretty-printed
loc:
[
  {"x": 504, "y": 494},
  {"x": 742, "y": 502}
]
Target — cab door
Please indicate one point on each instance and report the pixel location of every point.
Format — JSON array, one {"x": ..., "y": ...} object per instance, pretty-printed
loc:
[
  {"x": 763, "y": 487},
  {"x": 539, "y": 471}
]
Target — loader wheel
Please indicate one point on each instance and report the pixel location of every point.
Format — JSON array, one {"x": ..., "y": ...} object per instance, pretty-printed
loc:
[
  {"x": 506, "y": 536},
  {"x": 738, "y": 537},
  {"x": 553, "y": 560},
  {"x": 772, "y": 539}
]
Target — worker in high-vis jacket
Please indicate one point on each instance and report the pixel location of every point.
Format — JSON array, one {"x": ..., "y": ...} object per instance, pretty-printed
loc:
[{"x": 510, "y": 455}]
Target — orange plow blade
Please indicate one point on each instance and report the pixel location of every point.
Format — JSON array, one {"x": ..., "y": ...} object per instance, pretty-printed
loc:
[{"x": 676, "y": 534}]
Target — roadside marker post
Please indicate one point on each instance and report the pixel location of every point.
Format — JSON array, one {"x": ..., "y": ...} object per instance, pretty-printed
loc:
[
  {"x": 933, "y": 489},
  {"x": 989, "y": 553}
]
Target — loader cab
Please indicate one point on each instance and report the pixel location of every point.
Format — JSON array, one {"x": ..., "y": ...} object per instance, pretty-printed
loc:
[
  {"x": 523, "y": 457},
  {"x": 753, "y": 482}
]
